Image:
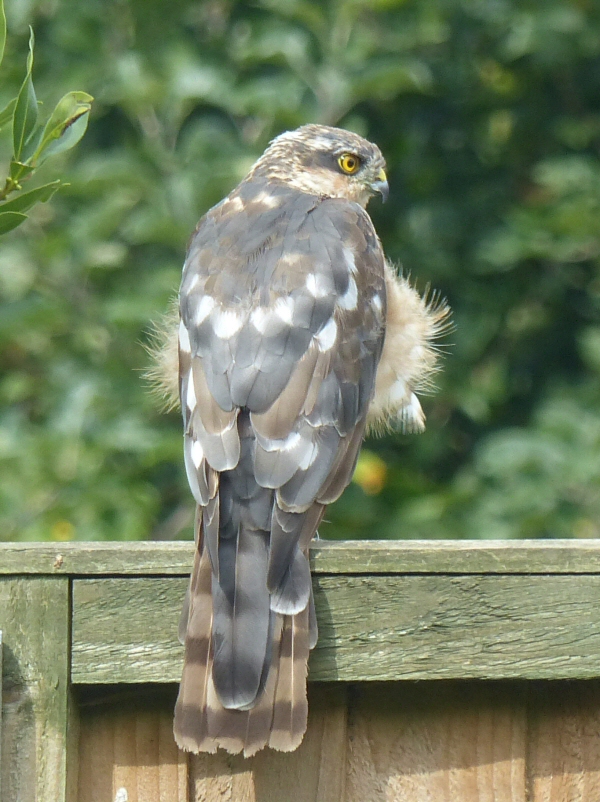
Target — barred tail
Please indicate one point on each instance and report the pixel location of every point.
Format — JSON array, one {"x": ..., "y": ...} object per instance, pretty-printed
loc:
[{"x": 277, "y": 716}]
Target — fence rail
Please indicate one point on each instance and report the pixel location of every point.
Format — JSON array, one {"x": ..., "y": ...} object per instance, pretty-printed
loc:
[{"x": 445, "y": 671}]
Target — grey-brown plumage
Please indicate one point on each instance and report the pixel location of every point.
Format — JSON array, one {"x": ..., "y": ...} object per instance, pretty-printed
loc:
[{"x": 283, "y": 311}]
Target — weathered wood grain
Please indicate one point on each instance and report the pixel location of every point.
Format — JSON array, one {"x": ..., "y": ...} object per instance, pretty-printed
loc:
[
  {"x": 127, "y": 750},
  {"x": 0, "y": 714},
  {"x": 34, "y": 618},
  {"x": 92, "y": 559},
  {"x": 125, "y": 630},
  {"x": 127, "y": 743},
  {"x": 343, "y": 557},
  {"x": 399, "y": 611},
  {"x": 370, "y": 628},
  {"x": 315, "y": 772},
  {"x": 72, "y": 746},
  {"x": 439, "y": 742},
  {"x": 564, "y": 748},
  {"x": 435, "y": 742},
  {"x": 376, "y": 742}
]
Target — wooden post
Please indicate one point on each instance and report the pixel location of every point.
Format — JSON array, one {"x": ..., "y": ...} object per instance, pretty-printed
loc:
[
  {"x": 35, "y": 624},
  {"x": 0, "y": 714}
]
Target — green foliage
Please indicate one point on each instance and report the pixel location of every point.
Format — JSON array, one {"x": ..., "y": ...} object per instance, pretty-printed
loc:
[
  {"x": 33, "y": 144},
  {"x": 489, "y": 116}
]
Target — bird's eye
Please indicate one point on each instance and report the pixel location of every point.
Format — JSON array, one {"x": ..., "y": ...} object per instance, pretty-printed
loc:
[{"x": 349, "y": 163}]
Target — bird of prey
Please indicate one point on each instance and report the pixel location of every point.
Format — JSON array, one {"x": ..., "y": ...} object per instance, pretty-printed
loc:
[{"x": 292, "y": 336}]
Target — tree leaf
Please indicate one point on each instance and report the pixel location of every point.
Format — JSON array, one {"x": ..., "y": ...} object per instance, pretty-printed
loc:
[
  {"x": 66, "y": 126},
  {"x": 28, "y": 199},
  {"x": 2, "y": 29},
  {"x": 26, "y": 109},
  {"x": 18, "y": 171},
  {"x": 10, "y": 220},
  {"x": 7, "y": 112}
]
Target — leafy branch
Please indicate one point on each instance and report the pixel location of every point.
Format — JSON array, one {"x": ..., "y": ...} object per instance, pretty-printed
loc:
[{"x": 34, "y": 142}]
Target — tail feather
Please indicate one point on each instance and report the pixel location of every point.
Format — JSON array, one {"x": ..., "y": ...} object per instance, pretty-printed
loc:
[
  {"x": 279, "y": 714},
  {"x": 241, "y": 620},
  {"x": 290, "y": 707},
  {"x": 247, "y": 639},
  {"x": 185, "y": 610},
  {"x": 293, "y": 592},
  {"x": 260, "y": 718},
  {"x": 277, "y": 719},
  {"x": 190, "y": 726}
]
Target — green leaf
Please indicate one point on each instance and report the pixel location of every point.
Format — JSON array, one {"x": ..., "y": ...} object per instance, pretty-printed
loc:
[
  {"x": 10, "y": 220},
  {"x": 2, "y": 29},
  {"x": 7, "y": 112},
  {"x": 26, "y": 109},
  {"x": 18, "y": 171},
  {"x": 66, "y": 126},
  {"x": 28, "y": 199}
]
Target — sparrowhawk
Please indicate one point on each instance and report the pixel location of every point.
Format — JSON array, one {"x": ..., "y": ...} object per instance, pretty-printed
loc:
[{"x": 291, "y": 337}]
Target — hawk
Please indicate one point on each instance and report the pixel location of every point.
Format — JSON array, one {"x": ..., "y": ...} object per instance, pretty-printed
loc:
[{"x": 292, "y": 335}]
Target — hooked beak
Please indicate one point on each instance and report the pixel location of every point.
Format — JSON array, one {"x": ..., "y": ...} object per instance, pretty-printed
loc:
[{"x": 381, "y": 186}]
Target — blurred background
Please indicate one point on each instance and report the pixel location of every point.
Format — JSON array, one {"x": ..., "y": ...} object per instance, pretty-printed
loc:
[{"x": 488, "y": 112}]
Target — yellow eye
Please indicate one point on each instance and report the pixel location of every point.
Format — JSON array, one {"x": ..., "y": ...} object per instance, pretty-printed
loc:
[{"x": 349, "y": 163}]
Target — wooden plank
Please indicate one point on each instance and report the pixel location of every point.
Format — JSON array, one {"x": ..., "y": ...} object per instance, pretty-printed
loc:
[
  {"x": 370, "y": 628},
  {"x": 334, "y": 557},
  {"x": 34, "y": 618},
  {"x": 125, "y": 630},
  {"x": 443, "y": 743},
  {"x": 377, "y": 742},
  {"x": 334, "y": 741},
  {"x": 315, "y": 772},
  {"x": 564, "y": 749},
  {"x": 456, "y": 557},
  {"x": 92, "y": 559},
  {"x": 72, "y": 746},
  {"x": 218, "y": 777},
  {"x": 127, "y": 750}
]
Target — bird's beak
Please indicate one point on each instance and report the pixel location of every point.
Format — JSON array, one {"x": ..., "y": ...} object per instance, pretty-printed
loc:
[{"x": 381, "y": 186}]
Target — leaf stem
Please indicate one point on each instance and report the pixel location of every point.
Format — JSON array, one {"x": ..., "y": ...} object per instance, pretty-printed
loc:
[{"x": 10, "y": 185}]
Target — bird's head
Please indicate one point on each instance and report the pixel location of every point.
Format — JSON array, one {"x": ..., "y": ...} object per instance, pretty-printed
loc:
[{"x": 326, "y": 161}]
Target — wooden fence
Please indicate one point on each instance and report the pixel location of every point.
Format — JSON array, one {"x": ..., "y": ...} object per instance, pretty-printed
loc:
[{"x": 445, "y": 672}]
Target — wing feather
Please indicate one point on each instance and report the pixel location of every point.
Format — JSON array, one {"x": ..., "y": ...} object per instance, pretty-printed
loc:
[{"x": 279, "y": 420}]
